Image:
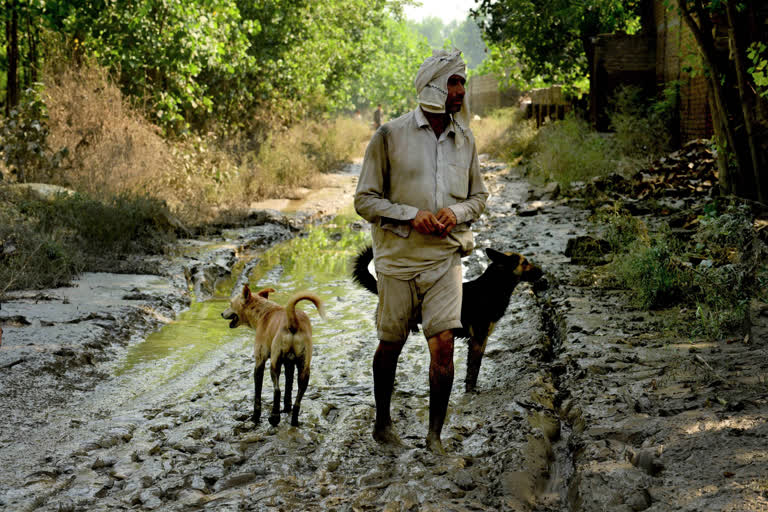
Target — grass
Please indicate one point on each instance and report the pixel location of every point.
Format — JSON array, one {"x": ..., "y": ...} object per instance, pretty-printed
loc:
[
  {"x": 715, "y": 273},
  {"x": 46, "y": 243},
  {"x": 504, "y": 134},
  {"x": 569, "y": 151},
  {"x": 131, "y": 184}
]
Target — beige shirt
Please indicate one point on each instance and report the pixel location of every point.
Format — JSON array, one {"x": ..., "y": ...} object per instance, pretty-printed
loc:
[{"x": 407, "y": 169}]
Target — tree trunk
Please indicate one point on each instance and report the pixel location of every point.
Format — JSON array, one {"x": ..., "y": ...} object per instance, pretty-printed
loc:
[
  {"x": 746, "y": 98},
  {"x": 12, "y": 54},
  {"x": 730, "y": 183}
]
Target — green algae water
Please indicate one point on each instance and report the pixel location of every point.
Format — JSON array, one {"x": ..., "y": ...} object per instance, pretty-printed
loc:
[{"x": 317, "y": 261}]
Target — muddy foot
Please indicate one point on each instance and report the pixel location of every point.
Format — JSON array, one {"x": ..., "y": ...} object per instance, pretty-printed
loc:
[
  {"x": 435, "y": 445},
  {"x": 386, "y": 436}
]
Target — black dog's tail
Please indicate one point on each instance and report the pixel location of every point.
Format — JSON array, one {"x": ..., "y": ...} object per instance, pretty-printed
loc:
[{"x": 360, "y": 273}]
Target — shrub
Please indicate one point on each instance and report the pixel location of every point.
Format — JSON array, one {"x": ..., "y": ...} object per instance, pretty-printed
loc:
[
  {"x": 504, "y": 134},
  {"x": 569, "y": 150},
  {"x": 24, "y": 141},
  {"x": 650, "y": 270},
  {"x": 642, "y": 124}
]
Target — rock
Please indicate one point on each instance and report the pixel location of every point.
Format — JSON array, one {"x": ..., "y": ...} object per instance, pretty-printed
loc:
[
  {"x": 587, "y": 250},
  {"x": 150, "y": 498},
  {"x": 235, "y": 480},
  {"x": 191, "y": 497}
]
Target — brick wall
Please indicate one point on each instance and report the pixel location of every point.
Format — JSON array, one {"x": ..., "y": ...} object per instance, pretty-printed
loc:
[
  {"x": 677, "y": 60},
  {"x": 619, "y": 59},
  {"x": 485, "y": 96}
]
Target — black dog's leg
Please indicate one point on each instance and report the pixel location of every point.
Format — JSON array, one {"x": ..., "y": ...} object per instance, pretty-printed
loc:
[
  {"x": 274, "y": 417},
  {"x": 289, "y": 366},
  {"x": 475, "y": 350},
  {"x": 303, "y": 381},
  {"x": 258, "y": 380}
]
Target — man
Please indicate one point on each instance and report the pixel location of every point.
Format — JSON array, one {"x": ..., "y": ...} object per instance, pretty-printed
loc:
[
  {"x": 377, "y": 117},
  {"x": 421, "y": 188}
]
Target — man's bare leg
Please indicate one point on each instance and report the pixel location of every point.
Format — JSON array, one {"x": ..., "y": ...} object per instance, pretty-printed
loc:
[
  {"x": 384, "y": 368},
  {"x": 440, "y": 384}
]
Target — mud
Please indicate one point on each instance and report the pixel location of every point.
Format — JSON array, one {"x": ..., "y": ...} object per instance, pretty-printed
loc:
[{"x": 128, "y": 392}]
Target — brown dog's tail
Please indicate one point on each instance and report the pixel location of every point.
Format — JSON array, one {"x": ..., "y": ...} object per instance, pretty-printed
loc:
[{"x": 290, "y": 308}]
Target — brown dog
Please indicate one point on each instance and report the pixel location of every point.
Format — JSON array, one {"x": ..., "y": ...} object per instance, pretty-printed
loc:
[{"x": 283, "y": 336}]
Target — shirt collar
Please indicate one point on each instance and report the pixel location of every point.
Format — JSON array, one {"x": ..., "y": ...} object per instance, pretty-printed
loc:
[{"x": 422, "y": 121}]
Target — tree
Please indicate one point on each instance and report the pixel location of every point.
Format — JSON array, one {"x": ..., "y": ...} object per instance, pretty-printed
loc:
[
  {"x": 739, "y": 133},
  {"x": 552, "y": 40},
  {"x": 467, "y": 37}
]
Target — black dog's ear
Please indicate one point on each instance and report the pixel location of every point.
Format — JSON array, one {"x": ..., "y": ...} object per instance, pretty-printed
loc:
[{"x": 499, "y": 257}]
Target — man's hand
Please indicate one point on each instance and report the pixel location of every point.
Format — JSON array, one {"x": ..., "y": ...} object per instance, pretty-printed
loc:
[
  {"x": 447, "y": 218},
  {"x": 426, "y": 223}
]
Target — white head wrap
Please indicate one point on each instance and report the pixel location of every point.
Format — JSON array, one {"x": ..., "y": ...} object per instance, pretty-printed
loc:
[{"x": 432, "y": 86}]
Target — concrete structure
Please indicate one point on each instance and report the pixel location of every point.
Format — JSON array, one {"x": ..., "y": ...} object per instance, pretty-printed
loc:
[{"x": 485, "y": 95}]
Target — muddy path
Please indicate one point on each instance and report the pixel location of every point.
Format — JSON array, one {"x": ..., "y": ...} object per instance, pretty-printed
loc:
[{"x": 131, "y": 393}]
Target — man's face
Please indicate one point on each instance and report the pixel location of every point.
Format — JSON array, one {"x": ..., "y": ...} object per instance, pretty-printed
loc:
[{"x": 455, "y": 94}]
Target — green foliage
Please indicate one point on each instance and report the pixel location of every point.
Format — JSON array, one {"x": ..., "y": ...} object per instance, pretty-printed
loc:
[
  {"x": 196, "y": 63},
  {"x": 568, "y": 150},
  {"x": 464, "y": 35},
  {"x": 758, "y": 57},
  {"x": 387, "y": 76},
  {"x": 648, "y": 269},
  {"x": 642, "y": 124},
  {"x": 548, "y": 40},
  {"x": 24, "y": 144},
  {"x": 703, "y": 274}
]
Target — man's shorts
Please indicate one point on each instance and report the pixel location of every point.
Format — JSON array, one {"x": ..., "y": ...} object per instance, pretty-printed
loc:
[{"x": 436, "y": 296}]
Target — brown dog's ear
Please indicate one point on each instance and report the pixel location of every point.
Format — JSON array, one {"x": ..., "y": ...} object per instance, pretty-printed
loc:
[
  {"x": 512, "y": 259},
  {"x": 247, "y": 293},
  {"x": 265, "y": 292}
]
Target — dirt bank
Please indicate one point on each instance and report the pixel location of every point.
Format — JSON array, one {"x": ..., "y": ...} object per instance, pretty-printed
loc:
[{"x": 584, "y": 402}]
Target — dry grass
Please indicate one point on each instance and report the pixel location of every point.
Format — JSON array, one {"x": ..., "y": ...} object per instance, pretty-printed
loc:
[
  {"x": 114, "y": 150},
  {"x": 504, "y": 134}
]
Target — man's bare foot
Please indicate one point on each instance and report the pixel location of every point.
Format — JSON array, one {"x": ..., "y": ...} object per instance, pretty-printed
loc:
[
  {"x": 385, "y": 435},
  {"x": 434, "y": 444}
]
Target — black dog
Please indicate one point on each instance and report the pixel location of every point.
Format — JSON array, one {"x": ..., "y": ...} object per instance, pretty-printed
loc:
[{"x": 484, "y": 301}]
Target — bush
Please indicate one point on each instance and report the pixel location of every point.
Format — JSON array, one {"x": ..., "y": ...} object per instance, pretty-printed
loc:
[
  {"x": 504, "y": 134},
  {"x": 650, "y": 270},
  {"x": 569, "y": 150},
  {"x": 47, "y": 243},
  {"x": 24, "y": 141},
  {"x": 641, "y": 124}
]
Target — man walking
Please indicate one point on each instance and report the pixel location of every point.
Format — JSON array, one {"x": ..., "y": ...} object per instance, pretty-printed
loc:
[
  {"x": 421, "y": 188},
  {"x": 377, "y": 117}
]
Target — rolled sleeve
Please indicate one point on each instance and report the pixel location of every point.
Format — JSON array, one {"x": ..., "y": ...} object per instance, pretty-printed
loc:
[
  {"x": 370, "y": 202},
  {"x": 471, "y": 208}
]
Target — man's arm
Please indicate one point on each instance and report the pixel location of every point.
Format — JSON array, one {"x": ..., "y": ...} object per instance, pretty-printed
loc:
[
  {"x": 370, "y": 201},
  {"x": 471, "y": 208}
]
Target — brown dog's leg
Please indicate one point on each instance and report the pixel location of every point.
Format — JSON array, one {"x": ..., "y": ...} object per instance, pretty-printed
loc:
[
  {"x": 475, "y": 350},
  {"x": 303, "y": 381},
  {"x": 384, "y": 369},
  {"x": 258, "y": 379},
  {"x": 289, "y": 366},
  {"x": 440, "y": 383},
  {"x": 274, "y": 417}
]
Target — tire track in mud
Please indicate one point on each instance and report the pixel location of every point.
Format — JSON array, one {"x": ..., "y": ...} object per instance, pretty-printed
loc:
[
  {"x": 190, "y": 445},
  {"x": 554, "y": 425}
]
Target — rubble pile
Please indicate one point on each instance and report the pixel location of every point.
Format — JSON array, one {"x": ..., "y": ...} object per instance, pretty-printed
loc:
[{"x": 689, "y": 171}]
